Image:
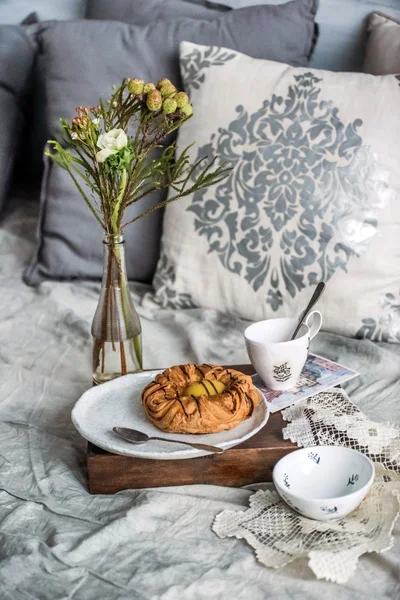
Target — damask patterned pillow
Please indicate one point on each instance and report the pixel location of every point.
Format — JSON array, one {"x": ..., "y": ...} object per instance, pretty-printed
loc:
[{"x": 312, "y": 195}]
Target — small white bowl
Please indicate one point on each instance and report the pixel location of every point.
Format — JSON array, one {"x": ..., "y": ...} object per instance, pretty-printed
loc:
[{"x": 323, "y": 482}]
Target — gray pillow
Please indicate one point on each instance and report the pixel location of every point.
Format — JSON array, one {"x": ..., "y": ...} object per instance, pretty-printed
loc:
[
  {"x": 342, "y": 29},
  {"x": 144, "y": 12},
  {"x": 17, "y": 54},
  {"x": 78, "y": 70},
  {"x": 382, "y": 54}
]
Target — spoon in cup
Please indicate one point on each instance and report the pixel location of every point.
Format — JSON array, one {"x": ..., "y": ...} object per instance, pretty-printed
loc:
[{"x": 319, "y": 290}]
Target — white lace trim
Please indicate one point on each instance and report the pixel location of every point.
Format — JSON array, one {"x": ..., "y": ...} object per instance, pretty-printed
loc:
[
  {"x": 279, "y": 535},
  {"x": 331, "y": 419}
]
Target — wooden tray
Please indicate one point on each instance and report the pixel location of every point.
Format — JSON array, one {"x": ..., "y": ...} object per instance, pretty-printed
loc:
[{"x": 250, "y": 462}]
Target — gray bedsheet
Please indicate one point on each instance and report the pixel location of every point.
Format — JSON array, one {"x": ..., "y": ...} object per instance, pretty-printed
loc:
[{"x": 57, "y": 541}]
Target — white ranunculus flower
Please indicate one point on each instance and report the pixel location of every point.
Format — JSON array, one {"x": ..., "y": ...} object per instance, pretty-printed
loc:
[
  {"x": 104, "y": 154},
  {"x": 110, "y": 143}
]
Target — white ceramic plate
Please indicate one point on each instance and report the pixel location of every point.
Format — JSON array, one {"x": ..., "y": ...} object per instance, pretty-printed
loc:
[{"x": 119, "y": 403}]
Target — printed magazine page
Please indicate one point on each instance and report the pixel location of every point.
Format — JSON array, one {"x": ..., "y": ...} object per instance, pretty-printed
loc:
[{"x": 319, "y": 374}]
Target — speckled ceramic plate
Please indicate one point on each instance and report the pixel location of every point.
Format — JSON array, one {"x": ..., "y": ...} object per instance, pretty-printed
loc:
[{"x": 118, "y": 403}]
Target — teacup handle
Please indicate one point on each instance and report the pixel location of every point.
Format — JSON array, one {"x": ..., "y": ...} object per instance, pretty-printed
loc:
[{"x": 314, "y": 323}]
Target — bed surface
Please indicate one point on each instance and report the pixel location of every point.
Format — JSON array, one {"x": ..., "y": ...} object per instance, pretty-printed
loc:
[{"x": 57, "y": 541}]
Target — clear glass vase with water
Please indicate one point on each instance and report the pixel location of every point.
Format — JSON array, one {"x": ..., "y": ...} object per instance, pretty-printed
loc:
[{"x": 116, "y": 329}]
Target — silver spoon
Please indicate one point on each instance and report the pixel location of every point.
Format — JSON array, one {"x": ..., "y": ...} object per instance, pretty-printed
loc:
[
  {"x": 314, "y": 299},
  {"x": 138, "y": 437}
]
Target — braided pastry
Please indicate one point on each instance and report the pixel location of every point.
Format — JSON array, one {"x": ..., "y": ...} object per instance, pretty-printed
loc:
[{"x": 199, "y": 399}]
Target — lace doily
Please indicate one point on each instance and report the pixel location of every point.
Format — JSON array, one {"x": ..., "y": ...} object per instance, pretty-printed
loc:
[
  {"x": 279, "y": 535},
  {"x": 331, "y": 419}
]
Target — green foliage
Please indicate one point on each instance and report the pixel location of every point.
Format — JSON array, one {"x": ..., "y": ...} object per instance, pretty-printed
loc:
[
  {"x": 121, "y": 169},
  {"x": 120, "y": 161}
]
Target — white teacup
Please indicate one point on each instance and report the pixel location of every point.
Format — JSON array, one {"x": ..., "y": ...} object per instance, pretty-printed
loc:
[{"x": 277, "y": 359}]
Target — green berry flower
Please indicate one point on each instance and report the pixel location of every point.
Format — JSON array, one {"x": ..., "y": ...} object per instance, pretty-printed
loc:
[
  {"x": 148, "y": 87},
  {"x": 181, "y": 99},
  {"x": 154, "y": 100},
  {"x": 169, "y": 106},
  {"x": 187, "y": 110},
  {"x": 167, "y": 90},
  {"x": 163, "y": 81},
  {"x": 135, "y": 86}
]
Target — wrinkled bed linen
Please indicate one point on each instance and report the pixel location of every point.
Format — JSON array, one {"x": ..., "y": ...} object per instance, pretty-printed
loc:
[{"x": 59, "y": 542}]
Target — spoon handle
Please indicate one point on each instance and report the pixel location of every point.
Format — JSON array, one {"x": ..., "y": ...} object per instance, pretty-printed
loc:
[
  {"x": 205, "y": 447},
  {"x": 314, "y": 299}
]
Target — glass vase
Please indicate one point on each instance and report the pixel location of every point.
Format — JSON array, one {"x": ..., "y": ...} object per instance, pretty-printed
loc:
[{"x": 116, "y": 329}]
